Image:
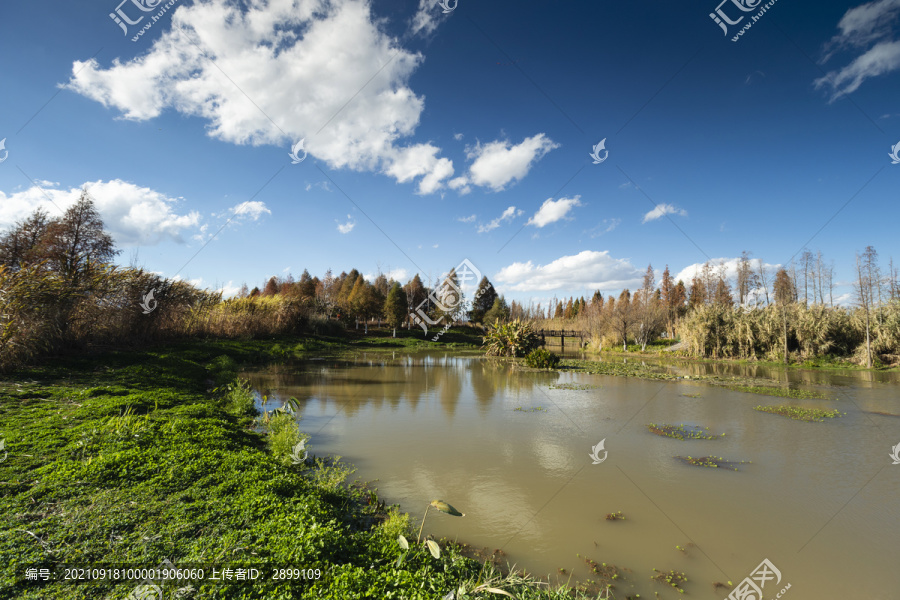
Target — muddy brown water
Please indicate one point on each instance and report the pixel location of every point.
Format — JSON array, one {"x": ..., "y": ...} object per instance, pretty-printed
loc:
[{"x": 821, "y": 501}]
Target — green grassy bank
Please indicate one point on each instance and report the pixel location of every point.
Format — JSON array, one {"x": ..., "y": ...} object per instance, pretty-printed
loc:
[{"x": 126, "y": 459}]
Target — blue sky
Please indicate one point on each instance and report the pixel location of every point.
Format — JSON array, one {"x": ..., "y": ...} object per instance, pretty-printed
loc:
[{"x": 431, "y": 138}]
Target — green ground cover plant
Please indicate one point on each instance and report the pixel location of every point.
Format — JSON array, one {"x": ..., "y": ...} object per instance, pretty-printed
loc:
[{"x": 133, "y": 458}]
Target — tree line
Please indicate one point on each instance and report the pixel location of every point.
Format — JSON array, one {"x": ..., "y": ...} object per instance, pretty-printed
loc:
[{"x": 58, "y": 288}]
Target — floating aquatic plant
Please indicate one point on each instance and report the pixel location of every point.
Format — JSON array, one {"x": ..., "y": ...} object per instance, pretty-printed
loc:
[
  {"x": 799, "y": 413},
  {"x": 681, "y": 432}
]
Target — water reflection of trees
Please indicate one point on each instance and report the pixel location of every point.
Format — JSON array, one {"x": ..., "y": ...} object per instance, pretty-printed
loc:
[{"x": 380, "y": 380}]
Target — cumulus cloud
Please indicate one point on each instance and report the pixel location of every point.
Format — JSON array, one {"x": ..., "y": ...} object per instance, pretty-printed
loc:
[
  {"x": 460, "y": 184},
  {"x": 589, "y": 269},
  {"x": 662, "y": 210},
  {"x": 300, "y": 62},
  {"x": 399, "y": 275},
  {"x": 508, "y": 215},
  {"x": 552, "y": 211},
  {"x": 500, "y": 163},
  {"x": 346, "y": 227},
  {"x": 870, "y": 29},
  {"x": 468, "y": 219},
  {"x": 729, "y": 268},
  {"x": 229, "y": 290},
  {"x": 134, "y": 215},
  {"x": 427, "y": 18},
  {"x": 251, "y": 209}
]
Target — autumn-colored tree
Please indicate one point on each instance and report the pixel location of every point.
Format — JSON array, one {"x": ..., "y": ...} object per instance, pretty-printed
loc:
[
  {"x": 559, "y": 311},
  {"x": 271, "y": 288},
  {"x": 723, "y": 293},
  {"x": 21, "y": 244},
  {"x": 785, "y": 295},
  {"x": 567, "y": 313},
  {"x": 698, "y": 293},
  {"x": 306, "y": 286},
  {"x": 346, "y": 288},
  {"x": 395, "y": 307},
  {"x": 622, "y": 317}
]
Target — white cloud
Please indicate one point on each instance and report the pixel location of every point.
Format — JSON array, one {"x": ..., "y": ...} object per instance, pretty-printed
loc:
[
  {"x": 848, "y": 299},
  {"x": 508, "y": 215},
  {"x": 133, "y": 215},
  {"x": 552, "y": 211},
  {"x": 589, "y": 269},
  {"x": 400, "y": 275},
  {"x": 457, "y": 136},
  {"x": 468, "y": 219},
  {"x": 300, "y": 62},
  {"x": 662, "y": 210},
  {"x": 499, "y": 163},
  {"x": 252, "y": 209},
  {"x": 421, "y": 160},
  {"x": 730, "y": 265},
  {"x": 229, "y": 290},
  {"x": 461, "y": 184},
  {"x": 346, "y": 227},
  {"x": 427, "y": 18},
  {"x": 869, "y": 24}
]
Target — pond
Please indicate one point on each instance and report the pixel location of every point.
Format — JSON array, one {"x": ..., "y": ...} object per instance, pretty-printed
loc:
[{"x": 511, "y": 449}]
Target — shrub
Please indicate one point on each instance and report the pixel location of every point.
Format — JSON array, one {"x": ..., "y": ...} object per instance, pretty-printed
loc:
[
  {"x": 542, "y": 359},
  {"x": 516, "y": 338}
]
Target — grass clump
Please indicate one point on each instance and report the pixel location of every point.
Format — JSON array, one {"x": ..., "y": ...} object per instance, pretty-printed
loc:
[
  {"x": 682, "y": 432},
  {"x": 615, "y": 516},
  {"x": 540, "y": 358},
  {"x": 800, "y": 413},
  {"x": 573, "y": 386},
  {"x": 534, "y": 409},
  {"x": 781, "y": 392},
  {"x": 236, "y": 398}
]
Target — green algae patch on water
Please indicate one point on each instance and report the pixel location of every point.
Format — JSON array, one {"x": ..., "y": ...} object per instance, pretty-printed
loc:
[
  {"x": 801, "y": 414},
  {"x": 682, "y": 432}
]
